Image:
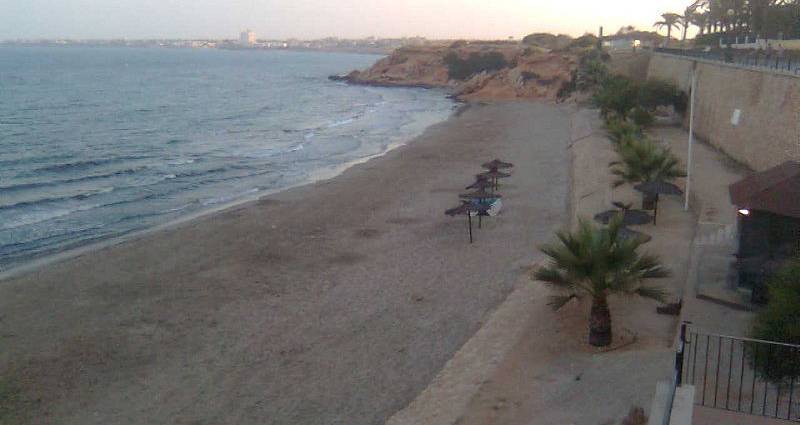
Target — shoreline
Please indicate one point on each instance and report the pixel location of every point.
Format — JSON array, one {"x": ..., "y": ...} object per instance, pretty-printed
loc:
[{"x": 315, "y": 177}]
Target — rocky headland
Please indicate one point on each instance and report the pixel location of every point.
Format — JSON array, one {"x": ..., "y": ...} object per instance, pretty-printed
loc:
[{"x": 474, "y": 71}]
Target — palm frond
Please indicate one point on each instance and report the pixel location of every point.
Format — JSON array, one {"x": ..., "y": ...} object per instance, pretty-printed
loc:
[{"x": 651, "y": 292}]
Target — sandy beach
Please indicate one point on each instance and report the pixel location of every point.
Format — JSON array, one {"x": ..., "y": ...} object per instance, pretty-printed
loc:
[{"x": 331, "y": 303}]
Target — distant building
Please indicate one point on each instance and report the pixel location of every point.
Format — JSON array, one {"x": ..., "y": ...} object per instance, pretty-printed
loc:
[{"x": 247, "y": 38}]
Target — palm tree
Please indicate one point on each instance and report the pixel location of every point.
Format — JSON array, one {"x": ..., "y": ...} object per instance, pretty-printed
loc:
[
  {"x": 700, "y": 20},
  {"x": 642, "y": 161},
  {"x": 669, "y": 20},
  {"x": 687, "y": 19},
  {"x": 597, "y": 262}
]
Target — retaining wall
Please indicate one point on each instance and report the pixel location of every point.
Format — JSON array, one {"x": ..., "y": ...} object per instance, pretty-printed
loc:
[{"x": 766, "y": 129}]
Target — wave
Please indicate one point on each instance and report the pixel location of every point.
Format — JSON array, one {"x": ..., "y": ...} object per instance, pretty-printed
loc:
[
  {"x": 81, "y": 165},
  {"x": 181, "y": 162},
  {"x": 55, "y": 199},
  {"x": 342, "y": 122},
  {"x": 42, "y": 216},
  {"x": 36, "y": 185},
  {"x": 229, "y": 198}
]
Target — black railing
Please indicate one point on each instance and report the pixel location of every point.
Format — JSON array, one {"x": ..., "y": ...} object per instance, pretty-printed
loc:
[
  {"x": 742, "y": 375},
  {"x": 786, "y": 62}
]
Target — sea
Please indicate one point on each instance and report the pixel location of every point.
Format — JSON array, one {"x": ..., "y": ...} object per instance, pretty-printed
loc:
[{"x": 97, "y": 143}]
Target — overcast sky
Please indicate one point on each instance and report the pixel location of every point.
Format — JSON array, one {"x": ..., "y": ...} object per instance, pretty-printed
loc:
[{"x": 320, "y": 18}]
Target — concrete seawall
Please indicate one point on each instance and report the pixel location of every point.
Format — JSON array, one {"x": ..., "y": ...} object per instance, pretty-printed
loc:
[{"x": 766, "y": 129}]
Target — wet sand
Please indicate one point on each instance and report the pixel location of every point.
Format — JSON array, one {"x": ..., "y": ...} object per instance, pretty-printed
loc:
[{"x": 332, "y": 303}]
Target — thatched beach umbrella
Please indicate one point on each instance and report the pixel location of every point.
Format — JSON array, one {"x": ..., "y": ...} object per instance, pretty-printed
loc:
[
  {"x": 494, "y": 175},
  {"x": 657, "y": 188},
  {"x": 467, "y": 209},
  {"x": 496, "y": 164},
  {"x": 629, "y": 217},
  {"x": 626, "y": 233},
  {"x": 481, "y": 184},
  {"x": 480, "y": 195}
]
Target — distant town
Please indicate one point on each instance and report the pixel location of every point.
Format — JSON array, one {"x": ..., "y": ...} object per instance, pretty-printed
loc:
[{"x": 246, "y": 40}]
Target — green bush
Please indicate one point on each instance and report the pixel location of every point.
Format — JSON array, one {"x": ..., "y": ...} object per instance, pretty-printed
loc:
[
  {"x": 642, "y": 117},
  {"x": 462, "y": 69},
  {"x": 616, "y": 95},
  {"x": 655, "y": 93},
  {"x": 622, "y": 131},
  {"x": 779, "y": 321}
]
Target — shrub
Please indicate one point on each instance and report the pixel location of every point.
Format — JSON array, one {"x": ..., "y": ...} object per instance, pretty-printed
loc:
[
  {"x": 655, "y": 93},
  {"x": 622, "y": 131},
  {"x": 779, "y": 321},
  {"x": 642, "y": 117},
  {"x": 617, "y": 95},
  {"x": 461, "y": 69}
]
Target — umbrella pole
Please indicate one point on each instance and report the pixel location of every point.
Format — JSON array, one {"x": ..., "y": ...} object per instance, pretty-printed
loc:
[
  {"x": 655, "y": 211},
  {"x": 469, "y": 220}
]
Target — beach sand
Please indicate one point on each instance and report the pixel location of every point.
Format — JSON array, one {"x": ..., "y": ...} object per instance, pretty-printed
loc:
[{"x": 331, "y": 303}]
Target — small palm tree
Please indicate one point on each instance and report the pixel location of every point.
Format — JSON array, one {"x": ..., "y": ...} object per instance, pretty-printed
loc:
[
  {"x": 669, "y": 21},
  {"x": 641, "y": 161},
  {"x": 598, "y": 262}
]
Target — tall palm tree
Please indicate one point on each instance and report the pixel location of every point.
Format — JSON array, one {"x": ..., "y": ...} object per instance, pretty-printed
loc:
[
  {"x": 597, "y": 262},
  {"x": 687, "y": 20},
  {"x": 700, "y": 20},
  {"x": 669, "y": 20}
]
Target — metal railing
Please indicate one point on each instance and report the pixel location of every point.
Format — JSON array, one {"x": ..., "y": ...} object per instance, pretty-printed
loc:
[
  {"x": 743, "y": 375},
  {"x": 787, "y": 62}
]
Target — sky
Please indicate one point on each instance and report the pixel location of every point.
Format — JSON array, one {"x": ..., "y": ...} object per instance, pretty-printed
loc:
[{"x": 309, "y": 19}]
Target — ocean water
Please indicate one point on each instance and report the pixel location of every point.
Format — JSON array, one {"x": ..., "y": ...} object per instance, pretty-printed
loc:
[{"x": 97, "y": 143}]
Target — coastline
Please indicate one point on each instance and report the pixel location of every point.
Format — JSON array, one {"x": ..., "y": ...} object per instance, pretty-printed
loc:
[
  {"x": 315, "y": 177},
  {"x": 336, "y": 301}
]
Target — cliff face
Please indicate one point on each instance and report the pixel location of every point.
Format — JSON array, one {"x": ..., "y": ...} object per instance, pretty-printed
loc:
[{"x": 531, "y": 72}]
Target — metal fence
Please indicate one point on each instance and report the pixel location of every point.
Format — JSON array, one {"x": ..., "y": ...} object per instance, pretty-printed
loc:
[
  {"x": 786, "y": 62},
  {"x": 743, "y": 375}
]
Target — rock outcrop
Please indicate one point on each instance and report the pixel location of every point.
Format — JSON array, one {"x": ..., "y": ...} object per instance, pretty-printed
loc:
[{"x": 531, "y": 72}]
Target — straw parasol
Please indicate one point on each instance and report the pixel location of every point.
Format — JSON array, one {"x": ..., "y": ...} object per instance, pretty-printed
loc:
[
  {"x": 480, "y": 195},
  {"x": 467, "y": 208},
  {"x": 497, "y": 164},
  {"x": 481, "y": 184},
  {"x": 494, "y": 175},
  {"x": 629, "y": 217},
  {"x": 658, "y": 187},
  {"x": 626, "y": 233}
]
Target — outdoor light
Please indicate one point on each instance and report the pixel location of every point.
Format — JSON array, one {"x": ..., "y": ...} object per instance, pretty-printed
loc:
[{"x": 744, "y": 211}]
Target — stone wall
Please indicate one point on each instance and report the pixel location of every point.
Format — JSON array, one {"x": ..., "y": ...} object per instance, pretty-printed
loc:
[{"x": 766, "y": 129}]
